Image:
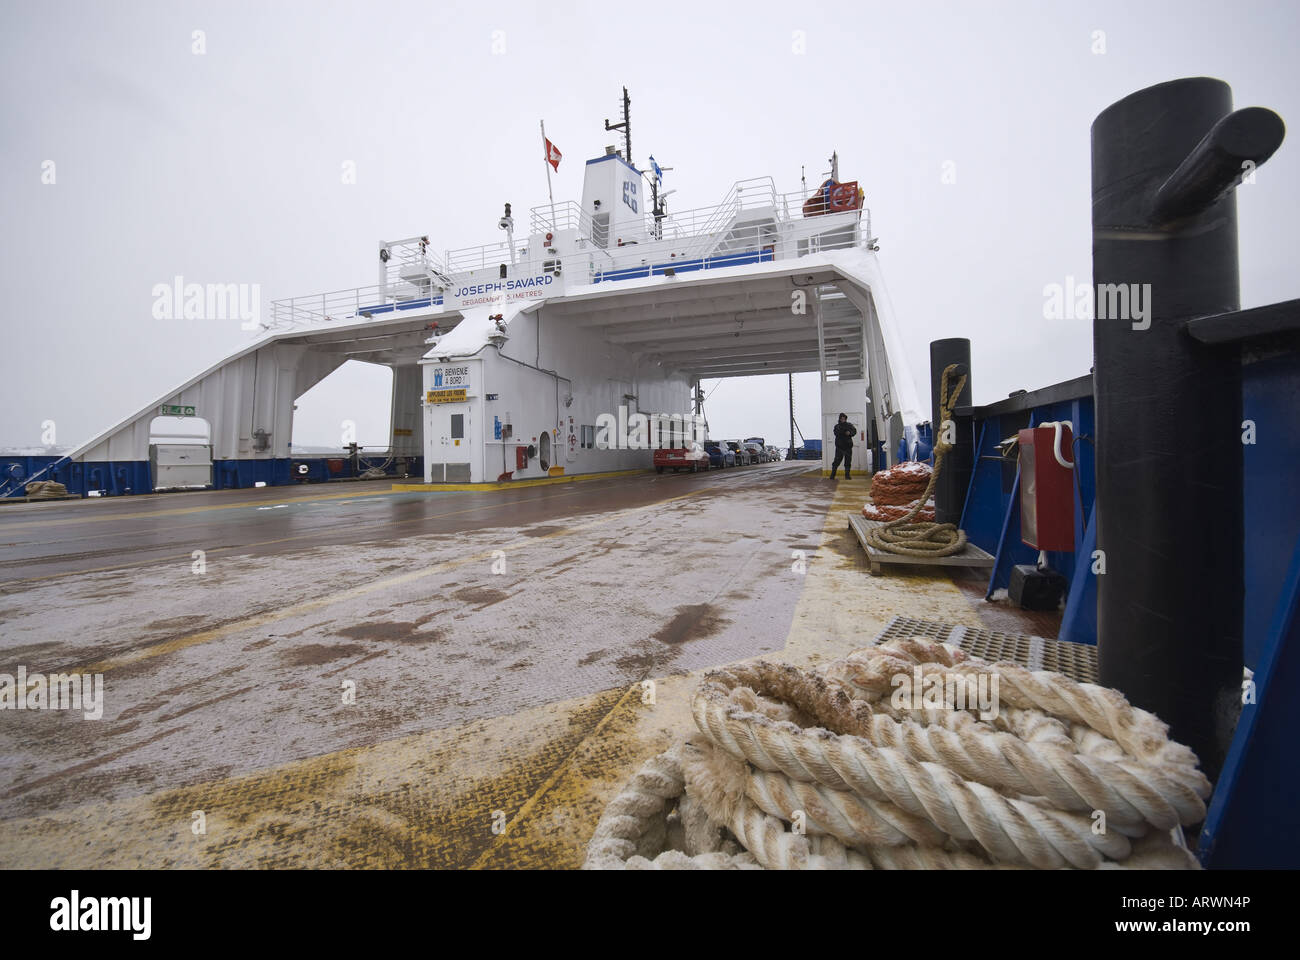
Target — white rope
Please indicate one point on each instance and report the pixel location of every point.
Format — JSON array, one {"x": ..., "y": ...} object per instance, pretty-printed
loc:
[{"x": 819, "y": 770}]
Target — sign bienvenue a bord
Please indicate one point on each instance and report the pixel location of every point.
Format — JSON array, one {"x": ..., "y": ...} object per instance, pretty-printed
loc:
[{"x": 450, "y": 383}]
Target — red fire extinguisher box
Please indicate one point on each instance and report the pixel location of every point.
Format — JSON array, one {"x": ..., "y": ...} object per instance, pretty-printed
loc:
[{"x": 1047, "y": 487}]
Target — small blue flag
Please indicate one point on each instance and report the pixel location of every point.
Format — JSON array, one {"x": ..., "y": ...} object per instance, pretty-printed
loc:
[{"x": 659, "y": 174}]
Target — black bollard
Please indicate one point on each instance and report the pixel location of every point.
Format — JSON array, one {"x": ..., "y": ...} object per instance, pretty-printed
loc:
[
  {"x": 1169, "y": 457},
  {"x": 954, "y": 480}
]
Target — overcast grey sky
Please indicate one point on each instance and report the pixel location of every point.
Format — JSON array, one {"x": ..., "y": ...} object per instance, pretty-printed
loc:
[{"x": 224, "y": 167}]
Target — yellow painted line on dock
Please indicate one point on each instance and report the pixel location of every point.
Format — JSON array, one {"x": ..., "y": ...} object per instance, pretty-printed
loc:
[{"x": 560, "y": 770}]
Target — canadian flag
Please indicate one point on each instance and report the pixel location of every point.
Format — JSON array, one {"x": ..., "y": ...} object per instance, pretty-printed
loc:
[{"x": 553, "y": 155}]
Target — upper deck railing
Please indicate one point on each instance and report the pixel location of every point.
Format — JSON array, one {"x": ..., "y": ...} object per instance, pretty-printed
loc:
[
  {"x": 564, "y": 215},
  {"x": 753, "y": 216}
]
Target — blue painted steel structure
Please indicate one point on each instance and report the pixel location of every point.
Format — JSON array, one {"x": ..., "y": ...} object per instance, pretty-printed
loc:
[
  {"x": 1251, "y": 820},
  {"x": 127, "y": 477},
  {"x": 765, "y": 255},
  {"x": 991, "y": 516},
  {"x": 811, "y": 450},
  {"x": 924, "y": 444},
  {"x": 1271, "y": 403},
  {"x": 113, "y": 477},
  {"x": 376, "y": 309}
]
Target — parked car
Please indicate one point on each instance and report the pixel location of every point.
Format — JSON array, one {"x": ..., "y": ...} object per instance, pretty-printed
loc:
[
  {"x": 691, "y": 457},
  {"x": 743, "y": 455},
  {"x": 773, "y": 455},
  {"x": 720, "y": 455},
  {"x": 757, "y": 453}
]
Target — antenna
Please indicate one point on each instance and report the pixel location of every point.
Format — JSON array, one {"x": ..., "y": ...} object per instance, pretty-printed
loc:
[
  {"x": 659, "y": 201},
  {"x": 625, "y": 126},
  {"x": 834, "y": 171}
]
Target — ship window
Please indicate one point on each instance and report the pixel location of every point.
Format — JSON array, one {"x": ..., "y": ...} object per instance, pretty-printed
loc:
[
  {"x": 457, "y": 426},
  {"x": 588, "y": 438}
]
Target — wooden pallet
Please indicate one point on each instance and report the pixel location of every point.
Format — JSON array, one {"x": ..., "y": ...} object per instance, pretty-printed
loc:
[{"x": 970, "y": 556}]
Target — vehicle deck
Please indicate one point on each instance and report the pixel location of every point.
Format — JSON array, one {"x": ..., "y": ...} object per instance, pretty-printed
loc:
[{"x": 496, "y": 644}]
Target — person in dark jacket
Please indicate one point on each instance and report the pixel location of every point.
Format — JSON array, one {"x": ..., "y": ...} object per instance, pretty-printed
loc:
[{"x": 844, "y": 434}]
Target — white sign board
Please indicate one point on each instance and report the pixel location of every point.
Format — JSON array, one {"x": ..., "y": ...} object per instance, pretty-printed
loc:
[
  {"x": 451, "y": 376},
  {"x": 498, "y": 293}
]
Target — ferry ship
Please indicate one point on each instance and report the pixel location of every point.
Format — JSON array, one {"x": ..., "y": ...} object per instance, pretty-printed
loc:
[
  {"x": 1140, "y": 499},
  {"x": 504, "y": 355}
]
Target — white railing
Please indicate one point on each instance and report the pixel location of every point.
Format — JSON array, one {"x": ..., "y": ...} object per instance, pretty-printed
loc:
[
  {"x": 565, "y": 215},
  {"x": 688, "y": 234},
  {"x": 792, "y": 203},
  {"x": 412, "y": 261},
  {"x": 468, "y": 259},
  {"x": 414, "y": 255},
  {"x": 332, "y": 306},
  {"x": 743, "y": 195}
]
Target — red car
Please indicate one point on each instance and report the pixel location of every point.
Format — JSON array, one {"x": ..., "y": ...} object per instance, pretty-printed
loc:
[{"x": 693, "y": 457}]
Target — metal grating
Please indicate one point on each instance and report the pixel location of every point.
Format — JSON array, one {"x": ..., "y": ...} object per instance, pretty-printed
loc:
[{"x": 1077, "y": 661}]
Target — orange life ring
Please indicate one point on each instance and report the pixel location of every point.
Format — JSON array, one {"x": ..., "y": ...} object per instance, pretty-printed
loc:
[{"x": 844, "y": 196}]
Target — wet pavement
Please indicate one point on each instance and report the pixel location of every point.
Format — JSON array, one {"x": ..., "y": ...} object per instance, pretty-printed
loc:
[{"x": 350, "y": 676}]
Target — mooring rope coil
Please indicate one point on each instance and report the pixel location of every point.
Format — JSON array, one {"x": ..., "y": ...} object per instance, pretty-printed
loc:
[
  {"x": 1041, "y": 760},
  {"x": 1008, "y": 829},
  {"x": 873, "y": 785},
  {"x": 926, "y": 538},
  {"x": 1103, "y": 710}
]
